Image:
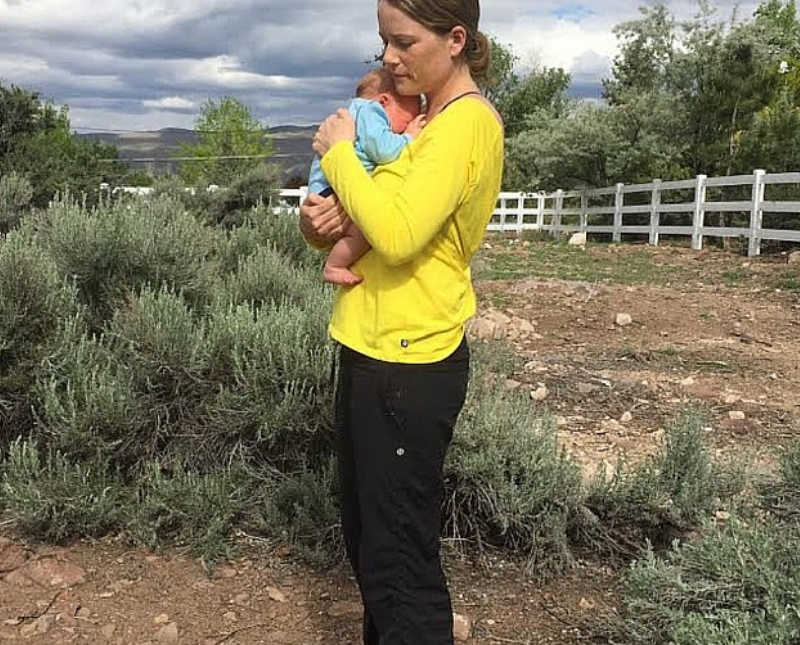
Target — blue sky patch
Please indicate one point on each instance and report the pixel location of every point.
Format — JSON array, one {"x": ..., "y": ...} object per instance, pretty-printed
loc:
[{"x": 573, "y": 12}]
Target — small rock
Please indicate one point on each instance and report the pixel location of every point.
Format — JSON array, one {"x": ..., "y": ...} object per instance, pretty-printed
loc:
[
  {"x": 168, "y": 633},
  {"x": 578, "y": 239},
  {"x": 161, "y": 619},
  {"x": 736, "y": 415},
  {"x": 722, "y": 516},
  {"x": 794, "y": 257},
  {"x": 44, "y": 623},
  {"x": 229, "y": 615},
  {"x": 462, "y": 627},
  {"x": 586, "y": 604},
  {"x": 108, "y": 630},
  {"x": 587, "y": 388},
  {"x": 688, "y": 381},
  {"x": 276, "y": 594},
  {"x": 561, "y": 421},
  {"x": 731, "y": 399},
  {"x": 241, "y": 598},
  {"x": 623, "y": 320},
  {"x": 626, "y": 417},
  {"x": 511, "y": 384},
  {"x": 540, "y": 393}
]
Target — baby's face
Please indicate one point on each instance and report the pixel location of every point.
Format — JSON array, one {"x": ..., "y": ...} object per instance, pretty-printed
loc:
[{"x": 401, "y": 110}]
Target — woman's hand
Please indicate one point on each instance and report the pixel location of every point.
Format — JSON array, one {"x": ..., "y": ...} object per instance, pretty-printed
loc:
[
  {"x": 322, "y": 219},
  {"x": 337, "y": 127}
]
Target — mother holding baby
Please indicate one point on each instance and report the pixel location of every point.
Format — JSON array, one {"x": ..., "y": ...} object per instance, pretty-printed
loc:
[{"x": 404, "y": 360}]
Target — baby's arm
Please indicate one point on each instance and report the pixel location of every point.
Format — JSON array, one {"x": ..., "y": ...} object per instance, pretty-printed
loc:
[{"x": 375, "y": 134}]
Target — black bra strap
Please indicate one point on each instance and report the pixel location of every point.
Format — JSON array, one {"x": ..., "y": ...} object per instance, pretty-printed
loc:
[{"x": 454, "y": 99}]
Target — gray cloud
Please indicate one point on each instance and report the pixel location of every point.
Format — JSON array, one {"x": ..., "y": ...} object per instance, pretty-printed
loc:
[{"x": 152, "y": 63}]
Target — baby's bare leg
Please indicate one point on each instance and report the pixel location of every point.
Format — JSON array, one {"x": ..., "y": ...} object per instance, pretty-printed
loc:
[{"x": 343, "y": 255}]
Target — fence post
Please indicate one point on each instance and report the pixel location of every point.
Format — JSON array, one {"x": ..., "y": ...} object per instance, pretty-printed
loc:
[
  {"x": 557, "y": 212},
  {"x": 520, "y": 214},
  {"x": 698, "y": 221},
  {"x": 584, "y": 210},
  {"x": 655, "y": 214},
  {"x": 540, "y": 211},
  {"x": 619, "y": 202},
  {"x": 502, "y": 214},
  {"x": 756, "y": 214},
  {"x": 303, "y": 196}
]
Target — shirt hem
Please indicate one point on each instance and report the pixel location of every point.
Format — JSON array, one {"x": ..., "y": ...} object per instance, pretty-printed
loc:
[{"x": 377, "y": 354}]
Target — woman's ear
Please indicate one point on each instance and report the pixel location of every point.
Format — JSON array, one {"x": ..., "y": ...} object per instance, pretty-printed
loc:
[{"x": 458, "y": 40}]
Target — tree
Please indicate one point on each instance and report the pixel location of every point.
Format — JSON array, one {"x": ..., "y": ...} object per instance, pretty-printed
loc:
[
  {"x": 225, "y": 128},
  {"x": 518, "y": 96},
  {"x": 36, "y": 142}
]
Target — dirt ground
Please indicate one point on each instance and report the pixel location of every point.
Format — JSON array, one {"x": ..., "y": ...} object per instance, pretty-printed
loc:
[{"x": 707, "y": 330}]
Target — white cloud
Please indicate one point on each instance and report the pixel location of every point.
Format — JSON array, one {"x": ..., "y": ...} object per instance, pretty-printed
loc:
[{"x": 171, "y": 103}]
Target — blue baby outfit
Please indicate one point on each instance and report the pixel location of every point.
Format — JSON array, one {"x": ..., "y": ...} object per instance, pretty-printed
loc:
[{"x": 375, "y": 142}]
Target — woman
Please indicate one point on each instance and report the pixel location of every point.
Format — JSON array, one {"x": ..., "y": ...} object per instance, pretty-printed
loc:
[{"x": 404, "y": 361}]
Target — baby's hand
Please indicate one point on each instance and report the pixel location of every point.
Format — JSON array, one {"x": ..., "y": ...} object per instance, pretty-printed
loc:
[{"x": 415, "y": 127}]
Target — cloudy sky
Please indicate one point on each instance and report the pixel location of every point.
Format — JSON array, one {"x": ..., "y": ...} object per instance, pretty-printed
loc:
[{"x": 148, "y": 64}]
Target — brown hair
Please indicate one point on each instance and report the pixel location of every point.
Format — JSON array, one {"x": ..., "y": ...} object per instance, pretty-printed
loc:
[
  {"x": 374, "y": 82},
  {"x": 441, "y": 16}
]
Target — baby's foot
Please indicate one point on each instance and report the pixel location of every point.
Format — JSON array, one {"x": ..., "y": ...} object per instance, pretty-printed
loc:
[{"x": 338, "y": 275}]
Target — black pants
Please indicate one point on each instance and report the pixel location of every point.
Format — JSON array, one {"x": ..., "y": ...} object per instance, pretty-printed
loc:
[{"x": 395, "y": 422}]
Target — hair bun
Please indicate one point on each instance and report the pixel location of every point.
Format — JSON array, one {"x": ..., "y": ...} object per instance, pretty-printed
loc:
[{"x": 478, "y": 55}]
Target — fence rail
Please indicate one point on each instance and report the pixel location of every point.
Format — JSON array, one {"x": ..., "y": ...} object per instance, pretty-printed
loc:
[{"x": 542, "y": 211}]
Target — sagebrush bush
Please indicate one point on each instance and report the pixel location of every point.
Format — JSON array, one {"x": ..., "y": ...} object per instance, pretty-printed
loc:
[
  {"x": 16, "y": 193},
  {"x": 193, "y": 510},
  {"x": 781, "y": 495},
  {"x": 507, "y": 482},
  {"x": 660, "y": 499},
  {"x": 54, "y": 498},
  {"x": 33, "y": 299},
  {"x": 301, "y": 508},
  {"x": 738, "y": 585},
  {"x": 117, "y": 250},
  {"x": 86, "y": 401},
  {"x": 275, "y": 394},
  {"x": 229, "y": 206}
]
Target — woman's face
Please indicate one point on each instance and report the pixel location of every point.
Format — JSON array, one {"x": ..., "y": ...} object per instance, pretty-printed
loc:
[{"x": 419, "y": 59}]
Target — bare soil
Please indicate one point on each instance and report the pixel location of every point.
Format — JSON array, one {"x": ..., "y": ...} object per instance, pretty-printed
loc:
[{"x": 720, "y": 337}]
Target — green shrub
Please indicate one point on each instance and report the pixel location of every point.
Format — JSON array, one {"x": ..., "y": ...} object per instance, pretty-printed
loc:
[
  {"x": 229, "y": 205},
  {"x": 301, "y": 509},
  {"x": 53, "y": 498},
  {"x": 738, "y": 585},
  {"x": 197, "y": 511},
  {"x": 781, "y": 496},
  {"x": 275, "y": 394},
  {"x": 660, "y": 499},
  {"x": 86, "y": 400},
  {"x": 267, "y": 276},
  {"x": 33, "y": 297},
  {"x": 507, "y": 482},
  {"x": 113, "y": 251},
  {"x": 16, "y": 193}
]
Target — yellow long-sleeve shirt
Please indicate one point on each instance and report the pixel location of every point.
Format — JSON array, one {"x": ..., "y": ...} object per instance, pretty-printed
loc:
[{"x": 425, "y": 215}]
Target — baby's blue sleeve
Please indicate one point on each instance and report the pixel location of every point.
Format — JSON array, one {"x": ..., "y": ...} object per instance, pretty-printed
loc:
[{"x": 375, "y": 135}]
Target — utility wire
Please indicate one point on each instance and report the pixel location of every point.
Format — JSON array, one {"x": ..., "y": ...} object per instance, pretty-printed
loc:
[{"x": 224, "y": 157}]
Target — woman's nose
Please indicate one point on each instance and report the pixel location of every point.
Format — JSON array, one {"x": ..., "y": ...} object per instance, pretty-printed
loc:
[{"x": 390, "y": 56}]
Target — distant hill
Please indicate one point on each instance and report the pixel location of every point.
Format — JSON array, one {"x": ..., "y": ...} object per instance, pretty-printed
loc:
[{"x": 292, "y": 147}]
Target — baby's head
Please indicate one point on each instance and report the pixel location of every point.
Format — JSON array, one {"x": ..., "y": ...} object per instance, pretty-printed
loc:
[{"x": 378, "y": 85}]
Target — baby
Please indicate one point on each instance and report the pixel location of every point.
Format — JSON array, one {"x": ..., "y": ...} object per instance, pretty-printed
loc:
[{"x": 385, "y": 124}]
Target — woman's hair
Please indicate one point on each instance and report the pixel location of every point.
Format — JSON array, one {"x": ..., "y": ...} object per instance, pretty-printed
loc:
[{"x": 441, "y": 16}]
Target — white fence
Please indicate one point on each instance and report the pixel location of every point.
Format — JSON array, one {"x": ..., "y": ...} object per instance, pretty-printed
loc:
[{"x": 549, "y": 211}]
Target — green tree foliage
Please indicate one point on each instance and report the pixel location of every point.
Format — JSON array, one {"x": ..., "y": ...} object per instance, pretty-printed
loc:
[
  {"x": 226, "y": 128},
  {"x": 36, "y": 142},
  {"x": 520, "y": 95},
  {"x": 703, "y": 96}
]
